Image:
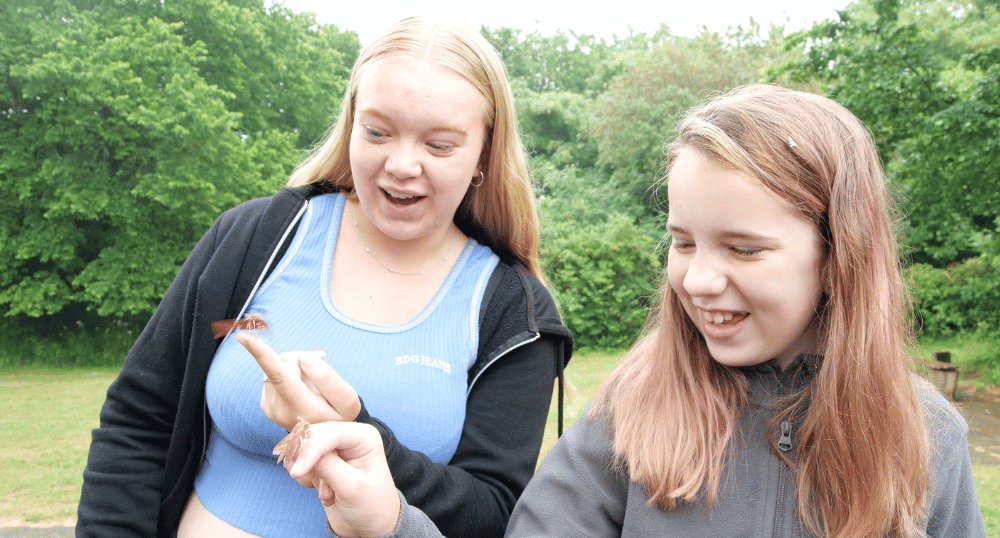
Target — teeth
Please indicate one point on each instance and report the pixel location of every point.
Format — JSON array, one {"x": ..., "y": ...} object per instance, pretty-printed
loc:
[
  {"x": 400, "y": 196},
  {"x": 717, "y": 317}
]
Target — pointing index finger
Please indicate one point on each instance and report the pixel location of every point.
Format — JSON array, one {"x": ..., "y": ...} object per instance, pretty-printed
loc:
[{"x": 268, "y": 360}]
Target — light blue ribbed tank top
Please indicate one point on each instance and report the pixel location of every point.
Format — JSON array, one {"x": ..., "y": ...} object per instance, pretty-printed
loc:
[{"x": 413, "y": 376}]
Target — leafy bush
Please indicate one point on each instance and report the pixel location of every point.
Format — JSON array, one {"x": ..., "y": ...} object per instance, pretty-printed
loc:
[
  {"x": 603, "y": 273},
  {"x": 90, "y": 341},
  {"x": 963, "y": 297}
]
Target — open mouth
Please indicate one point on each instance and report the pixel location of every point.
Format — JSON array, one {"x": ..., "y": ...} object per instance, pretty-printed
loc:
[
  {"x": 401, "y": 199},
  {"x": 728, "y": 318}
]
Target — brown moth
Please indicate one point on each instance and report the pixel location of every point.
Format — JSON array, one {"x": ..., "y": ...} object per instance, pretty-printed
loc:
[
  {"x": 250, "y": 322},
  {"x": 288, "y": 448}
]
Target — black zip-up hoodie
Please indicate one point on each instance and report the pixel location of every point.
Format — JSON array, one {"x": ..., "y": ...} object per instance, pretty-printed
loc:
[{"x": 146, "y": 453}]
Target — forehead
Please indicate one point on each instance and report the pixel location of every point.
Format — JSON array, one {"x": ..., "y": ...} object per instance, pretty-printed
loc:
[
  {"x": 705, "y": 196},
  {"x": 416, "y": 86}
]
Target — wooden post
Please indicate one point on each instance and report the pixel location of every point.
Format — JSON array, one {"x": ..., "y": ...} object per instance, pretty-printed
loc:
[
  {"x": 942, "y": 356},
  {"x": 942, "y": 373}
]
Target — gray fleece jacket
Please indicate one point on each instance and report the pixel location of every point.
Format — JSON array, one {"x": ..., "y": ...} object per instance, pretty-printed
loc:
[{"x": 577, "y": 492}]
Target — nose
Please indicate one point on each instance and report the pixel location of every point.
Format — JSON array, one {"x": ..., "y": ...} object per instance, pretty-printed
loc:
[
  {"x": 403, "y": 160},
  {"x": 704, "y": 276}
]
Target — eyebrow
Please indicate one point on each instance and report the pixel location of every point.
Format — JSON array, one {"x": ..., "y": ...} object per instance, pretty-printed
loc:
[
  {"x": 383, "y": 117},
  {"x": 732, "y": 234}
]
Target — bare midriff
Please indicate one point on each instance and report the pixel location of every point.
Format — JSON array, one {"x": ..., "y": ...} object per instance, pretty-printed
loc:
[{"x": 197, "y": 521}]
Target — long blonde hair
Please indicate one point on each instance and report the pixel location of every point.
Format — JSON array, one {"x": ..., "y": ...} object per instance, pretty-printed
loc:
[
  {"x": 501, "y": 212},
  {"x": 862, "y": 445}
]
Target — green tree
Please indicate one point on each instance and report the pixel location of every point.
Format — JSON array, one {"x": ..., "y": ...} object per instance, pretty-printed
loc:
[
  {"x": 880, "y": 68},
  {"x": 120, "y": 141},
  {"x": 638, "y": 113},
  {"x": 556, "y": 81},
  {"x": 575, "y": 63},
  {"x": 950, "y": 173},
  {"x": 604, "y": 271},
  {"x": 938, "y": 138},
  {"x": 924, "y": 77},
  {"x": 553, "y": 125},
  {"x": 282, "y": 69}
]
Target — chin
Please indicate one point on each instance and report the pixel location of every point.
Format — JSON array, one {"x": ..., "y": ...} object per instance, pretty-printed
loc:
[{"x": 734, "y": 358}]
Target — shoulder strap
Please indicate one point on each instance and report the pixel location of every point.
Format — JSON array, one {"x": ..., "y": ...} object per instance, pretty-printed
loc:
[{"x": 275, "y": 255}]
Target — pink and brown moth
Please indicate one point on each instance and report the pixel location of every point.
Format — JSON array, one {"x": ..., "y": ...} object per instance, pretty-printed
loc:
[
  {"x": 250, "y": 322},
  {"x": 288, "y": 450},
  {"x": 289, "y": 447}
]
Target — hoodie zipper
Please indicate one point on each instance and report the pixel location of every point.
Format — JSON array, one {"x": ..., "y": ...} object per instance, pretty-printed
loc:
[{"x": 784, "y": 445}]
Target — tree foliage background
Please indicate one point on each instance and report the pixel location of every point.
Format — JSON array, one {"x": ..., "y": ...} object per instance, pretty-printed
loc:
[
  {"x": 127, "y": 127},
  {"x": 925, "y": 78}
]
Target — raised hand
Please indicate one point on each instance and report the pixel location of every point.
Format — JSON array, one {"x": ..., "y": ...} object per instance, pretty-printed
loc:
[
  {"x": 299, "y": 384},
  {"x": 345, "y": 463}
]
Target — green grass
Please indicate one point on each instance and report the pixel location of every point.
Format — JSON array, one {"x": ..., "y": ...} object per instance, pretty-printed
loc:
[
  {"x": 987, "y": 479},
  {"x": 978, "y": 356},
  {"x": 48, "y": 414},
  {"x": 45, "y": 422},
  {"x": 583, "y": 376}
]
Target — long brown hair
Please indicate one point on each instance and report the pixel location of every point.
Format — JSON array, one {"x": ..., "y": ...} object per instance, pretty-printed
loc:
[
  {"x": 862, "y": 445},
  {"x": 501, "y": 212}
]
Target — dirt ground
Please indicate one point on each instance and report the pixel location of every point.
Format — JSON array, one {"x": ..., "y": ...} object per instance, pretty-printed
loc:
[
  {"x": 36, "y": 532},
  {"x": 981, "y": 410}
]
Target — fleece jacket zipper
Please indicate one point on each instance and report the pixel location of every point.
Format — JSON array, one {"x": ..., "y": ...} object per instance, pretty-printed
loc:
[{"x": 784, "y": 445}]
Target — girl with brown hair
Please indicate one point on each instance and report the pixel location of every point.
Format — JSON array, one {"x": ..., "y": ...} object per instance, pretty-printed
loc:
[{"x": 770, "y": 393}]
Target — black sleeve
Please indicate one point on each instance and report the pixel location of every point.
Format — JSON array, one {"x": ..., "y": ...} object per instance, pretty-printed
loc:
[
  {"x": 121, "y": 494},
  {"x": 145, "y": 454},
  {"x": 505, "y": 419}
]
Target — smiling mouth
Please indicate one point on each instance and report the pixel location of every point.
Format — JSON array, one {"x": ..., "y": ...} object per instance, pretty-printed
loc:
[
  {"x": 401, "y": 199},
  {"x": 729, "y": 318}
]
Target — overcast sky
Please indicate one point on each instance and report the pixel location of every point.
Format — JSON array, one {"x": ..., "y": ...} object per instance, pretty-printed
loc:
[{"x": 603, "y": 19}]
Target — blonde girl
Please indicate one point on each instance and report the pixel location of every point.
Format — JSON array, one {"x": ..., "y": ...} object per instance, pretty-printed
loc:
[{"x": 404, "y": 250}]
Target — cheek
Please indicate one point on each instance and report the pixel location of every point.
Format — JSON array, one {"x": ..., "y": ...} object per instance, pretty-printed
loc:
[
  {"x": 676, "y": 270},
  {"x": 451, "y": 180},
  {"x": 813, "y": 278},
  {"x": 802, "y": 290},
  {"x": 363, "y": 156},
  {"x": 354, "y": 155}
]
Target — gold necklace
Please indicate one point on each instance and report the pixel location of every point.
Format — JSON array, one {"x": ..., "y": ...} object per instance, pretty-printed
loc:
[{"x": 372, "y": 254}]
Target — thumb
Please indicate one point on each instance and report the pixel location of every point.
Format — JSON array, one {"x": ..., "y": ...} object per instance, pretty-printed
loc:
[{"x": 338, "y": 392}]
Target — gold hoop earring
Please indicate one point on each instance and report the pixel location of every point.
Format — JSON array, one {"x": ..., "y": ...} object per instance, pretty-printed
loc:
[{"x": 482, "y": 178}]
